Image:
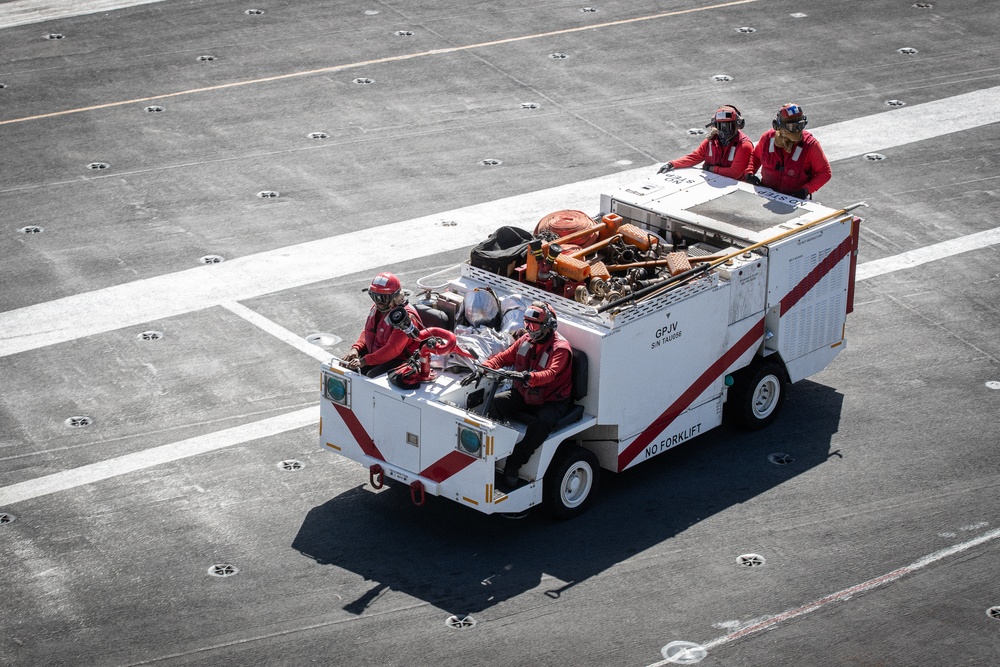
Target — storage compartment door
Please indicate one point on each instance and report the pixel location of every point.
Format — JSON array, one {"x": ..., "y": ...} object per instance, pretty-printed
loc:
[{"x": 397, "y": 432}]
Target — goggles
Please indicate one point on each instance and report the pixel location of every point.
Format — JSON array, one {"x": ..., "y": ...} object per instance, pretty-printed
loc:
[
  {"x": 727, "y": 127},
  {"x": 536, "y": 331},
  {"x": 790, "y": 118},
  {"x": 382, "y": 299}
]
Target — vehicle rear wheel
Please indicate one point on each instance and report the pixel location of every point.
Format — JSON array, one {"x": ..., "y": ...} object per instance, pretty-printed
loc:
[
  {"x": 570, "y": 483},
  {"x": 758, "y": 394}
]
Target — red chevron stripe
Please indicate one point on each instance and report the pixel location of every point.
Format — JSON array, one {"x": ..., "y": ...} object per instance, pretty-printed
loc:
[
  {"x": 753, "y": 336},
  {"x": 447, "y": 466},
  {"x": 817, "y": 274},
  {"x": 360, "y": 434},
  {"x": 684, "y": 401}
]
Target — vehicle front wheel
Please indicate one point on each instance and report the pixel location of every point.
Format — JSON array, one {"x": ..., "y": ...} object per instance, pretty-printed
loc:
[
  {"x": 570, "y": 483},
  {"x": 758, "y": 394}
]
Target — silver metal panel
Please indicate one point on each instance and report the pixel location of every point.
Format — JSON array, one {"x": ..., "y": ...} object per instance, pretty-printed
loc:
[{"x": 745, "y": 209}]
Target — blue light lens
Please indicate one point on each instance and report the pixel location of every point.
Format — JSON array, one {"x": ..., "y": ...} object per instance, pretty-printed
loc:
[
  {"x": 470, "y": 440},
  {"x": 336, "y": 389}
]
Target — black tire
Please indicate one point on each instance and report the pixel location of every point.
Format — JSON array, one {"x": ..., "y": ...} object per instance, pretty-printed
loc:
[
  {"x": 570, "y": 482},
  {"x": 758, "y": 392}
]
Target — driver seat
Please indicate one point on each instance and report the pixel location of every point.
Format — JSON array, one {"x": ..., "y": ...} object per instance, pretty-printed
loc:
[{"x": 581, "y": 369}]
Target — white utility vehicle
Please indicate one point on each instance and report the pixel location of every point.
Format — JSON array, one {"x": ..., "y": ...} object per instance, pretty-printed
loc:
[{"x": 731, "y": 293}]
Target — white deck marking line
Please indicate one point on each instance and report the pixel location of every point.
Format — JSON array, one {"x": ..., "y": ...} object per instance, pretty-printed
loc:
[
  {"x": 239, "y": 279},
  {"x": 23, "y": 12},
  {"x": 368, "y": 615},
  {"x": 278, "y": 331},
  {"x": 244, "y": 278},
  {"x": 905, "y": 125},
  {"x": 845, "y": 594},
  {"x": 907, "y": 260},
  {"x": 263, "y": 273},
  {"x": 380, "y": 61},
  {"x": 68, "y": 479},
  {"x": 147, "y": 458},
  {"x": 254, "y": 275}
]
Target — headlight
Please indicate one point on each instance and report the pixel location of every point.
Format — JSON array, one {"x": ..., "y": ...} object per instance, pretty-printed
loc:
[
  {"x": 470, "y": 441},
  {"x": 337, "y": 389}
]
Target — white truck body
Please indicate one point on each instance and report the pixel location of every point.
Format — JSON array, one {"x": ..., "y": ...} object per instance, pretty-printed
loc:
[{"x": 658, "y": 368}]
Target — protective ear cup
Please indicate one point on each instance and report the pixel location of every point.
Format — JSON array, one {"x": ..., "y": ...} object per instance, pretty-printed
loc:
[
  {"x": 776, "y": 123},
  {"x": 740, "y": 123},
  {"x": 552, "y": 322}
]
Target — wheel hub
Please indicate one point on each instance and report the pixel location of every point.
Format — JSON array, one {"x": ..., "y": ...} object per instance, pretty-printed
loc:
[
  {"x": 576, "y": 486},
  {"x": 764, "y": 397}
]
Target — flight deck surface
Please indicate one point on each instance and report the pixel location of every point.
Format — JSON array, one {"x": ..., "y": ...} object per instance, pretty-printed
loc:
[{"x": 194, "y": 195}]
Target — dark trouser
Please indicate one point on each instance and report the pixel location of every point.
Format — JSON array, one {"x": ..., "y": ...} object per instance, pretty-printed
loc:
[
  {"x": 375, "y": 371},
  {"x": 540, "y": 419}
]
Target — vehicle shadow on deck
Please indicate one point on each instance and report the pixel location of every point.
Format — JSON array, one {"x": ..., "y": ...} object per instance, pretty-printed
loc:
[{"x": 464, "y": 562}]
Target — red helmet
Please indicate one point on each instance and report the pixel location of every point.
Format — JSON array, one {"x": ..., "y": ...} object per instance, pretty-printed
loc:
[
  {"x": 539, "y": 320},
  {"x": 384, "y": 289},
  {"x": 791, "y": 117},
  {"x": 728, "y": 121}
]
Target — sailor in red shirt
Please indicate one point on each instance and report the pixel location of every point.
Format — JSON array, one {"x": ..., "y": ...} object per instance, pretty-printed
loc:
[
  {"x": 726, "y": 151},
  {"x": 545, "y": 360},
  {"x": 790, "y": 159},
  {"x": 381, "y": 347}
]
